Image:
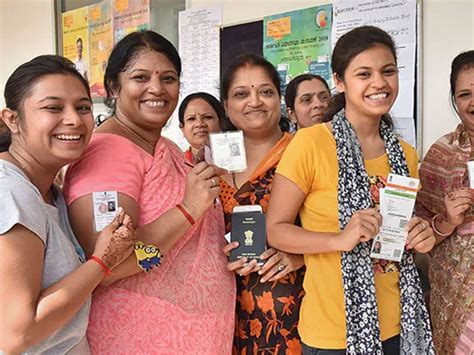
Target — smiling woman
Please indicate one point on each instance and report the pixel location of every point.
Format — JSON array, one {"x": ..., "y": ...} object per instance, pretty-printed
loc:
[
  {"x": 268, "y": 296},
  {"x": 177, "y": 307},
  {"x": 329, "y": 176},
  {"x": 446, "y": 198},
  {"x": 46, "y": 283}
]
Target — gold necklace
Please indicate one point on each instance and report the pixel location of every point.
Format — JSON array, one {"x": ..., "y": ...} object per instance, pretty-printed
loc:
[{"x": 135, "y": 134}]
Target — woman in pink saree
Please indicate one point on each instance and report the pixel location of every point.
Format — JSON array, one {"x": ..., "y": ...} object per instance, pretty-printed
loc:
[{"x": 186, "y": 305}]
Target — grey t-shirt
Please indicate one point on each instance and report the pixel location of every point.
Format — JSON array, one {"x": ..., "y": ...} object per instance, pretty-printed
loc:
[{"x": 21, "y": 203}]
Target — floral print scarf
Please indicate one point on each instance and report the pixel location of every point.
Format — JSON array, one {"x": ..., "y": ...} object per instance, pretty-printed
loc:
[{"x": 362, "y": 329}]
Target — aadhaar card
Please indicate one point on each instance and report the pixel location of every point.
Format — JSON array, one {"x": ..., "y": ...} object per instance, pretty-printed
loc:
[{"x": 397, "y": 202}]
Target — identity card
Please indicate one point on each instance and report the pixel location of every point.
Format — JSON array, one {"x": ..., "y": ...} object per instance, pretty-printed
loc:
[
  {"x": 228, "y": 150},
  {"x": 105, "y": 207},
  {"x": 397, "y": 201}
]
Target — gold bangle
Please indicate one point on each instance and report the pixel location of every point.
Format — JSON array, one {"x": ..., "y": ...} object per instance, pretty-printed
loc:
[
  {"x": 436, "y": 230},
  {"x": 148, "y": 256}
]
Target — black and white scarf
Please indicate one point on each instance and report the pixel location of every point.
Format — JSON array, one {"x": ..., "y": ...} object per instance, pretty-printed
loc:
[{"x": 362, "y": 330}]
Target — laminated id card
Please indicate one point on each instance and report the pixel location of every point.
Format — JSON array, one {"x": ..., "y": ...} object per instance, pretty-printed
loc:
[
  {"x": 105, "y": 207},
  {"x": 228, "y": 151},
  {"x": 397, "y": 201}
]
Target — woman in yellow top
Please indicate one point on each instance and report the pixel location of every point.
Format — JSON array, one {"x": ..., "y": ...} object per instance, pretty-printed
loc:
[{"x": 330, "y": 175}]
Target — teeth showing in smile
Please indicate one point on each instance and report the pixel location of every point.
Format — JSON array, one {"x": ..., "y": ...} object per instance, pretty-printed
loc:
[
  {"x": 153, "y": 104},
  {"x": 68, "y": 137},
  {"x": 378, "y": 96}
]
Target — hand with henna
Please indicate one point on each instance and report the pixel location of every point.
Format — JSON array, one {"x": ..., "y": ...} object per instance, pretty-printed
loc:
[{"x": 115, "y": 243}]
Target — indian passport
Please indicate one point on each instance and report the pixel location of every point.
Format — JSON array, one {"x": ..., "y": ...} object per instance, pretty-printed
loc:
[{"x": 248, "y": 228}]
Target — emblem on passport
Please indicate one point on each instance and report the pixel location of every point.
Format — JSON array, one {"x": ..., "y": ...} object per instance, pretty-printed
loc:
[
  {"x": 248, "y": 238},
  {"x": 248, "y": 228}
]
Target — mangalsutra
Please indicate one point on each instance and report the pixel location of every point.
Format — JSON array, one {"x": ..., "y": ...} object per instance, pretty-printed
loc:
[{"x": 135, "y": 134}]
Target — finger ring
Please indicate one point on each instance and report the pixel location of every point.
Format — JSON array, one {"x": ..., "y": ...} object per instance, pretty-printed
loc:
[
  {"x": 281, "y": 267},
  {"x": 451, "y": 196},
  {"x": 213, "y": 183}
]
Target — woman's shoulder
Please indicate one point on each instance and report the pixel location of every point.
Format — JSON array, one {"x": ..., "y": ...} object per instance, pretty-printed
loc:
[
  {"x": 448, "y": 142},
  {"x": 16, "y": 182},
  {"x": 108, "y": 151},
  {"x": 317, "y": 137},
  {"x": 318, "y": 129},
  {"x": 20, "y": 202},
  {"x": 111, "y": 143},
  {"x": 407, "y": 147}
]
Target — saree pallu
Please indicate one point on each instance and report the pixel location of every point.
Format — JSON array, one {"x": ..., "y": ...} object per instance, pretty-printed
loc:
[
  {"x": 444, "y": 169},
  {"x": 185, "y": 306},
  {"x": 266, "y": 313}
]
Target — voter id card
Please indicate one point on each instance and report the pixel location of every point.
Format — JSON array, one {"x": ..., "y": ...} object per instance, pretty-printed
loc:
[{"x": 105, "y": 208}]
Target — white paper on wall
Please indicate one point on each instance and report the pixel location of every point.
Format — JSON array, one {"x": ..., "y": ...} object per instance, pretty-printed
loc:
[{"x": 199, "y": 49}]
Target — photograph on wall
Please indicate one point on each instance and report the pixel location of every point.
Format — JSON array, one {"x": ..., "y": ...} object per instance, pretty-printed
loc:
[
  {"x": 101, "y": 39},
  {"x": 299, "y": 42},
  {"x": 75, "y": 28},
  {"x": 130, "y": 16}
]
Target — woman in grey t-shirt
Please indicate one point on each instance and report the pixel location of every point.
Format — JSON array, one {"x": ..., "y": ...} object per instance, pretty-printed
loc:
[{"x": 45, "y": 283}]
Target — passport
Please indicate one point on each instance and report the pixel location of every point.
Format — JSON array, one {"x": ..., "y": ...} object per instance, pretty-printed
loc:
[{"x": 248, "y": 228}]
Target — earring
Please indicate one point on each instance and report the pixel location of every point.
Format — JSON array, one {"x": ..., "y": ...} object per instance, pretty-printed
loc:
[{"x": 293, "y": 126}]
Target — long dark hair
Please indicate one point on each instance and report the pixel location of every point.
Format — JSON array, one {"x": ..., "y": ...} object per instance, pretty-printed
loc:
[
  {"x": 252, "y": 60},
  {"x": 126, "y": 50},
  {"x": 462, "y": 61},
  {"x": 348, "y": 46},
  {"x": 19, "y": 84}
]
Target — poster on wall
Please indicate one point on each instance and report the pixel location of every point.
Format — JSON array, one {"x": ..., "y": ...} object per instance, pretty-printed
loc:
[
  {"x": 398, "y": 18},
  {"x": 299, "y": 42},
  {"x": 130, "y": 16},
  {"x": 101, "y": 42},
  {"x": 75, "y": 27}
]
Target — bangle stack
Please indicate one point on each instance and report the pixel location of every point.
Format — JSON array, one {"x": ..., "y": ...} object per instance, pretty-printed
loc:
[
  {"x": 186, "y": 214},
  {"x": 436, "y": 230},
  {"x": 102, "y": 264},
  {"x": 148, "y": 256}
]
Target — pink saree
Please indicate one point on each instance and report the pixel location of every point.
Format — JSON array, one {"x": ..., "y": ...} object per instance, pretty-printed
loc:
[{"x": 186, "y": 305}]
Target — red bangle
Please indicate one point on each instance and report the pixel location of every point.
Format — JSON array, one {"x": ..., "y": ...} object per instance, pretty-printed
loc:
[
  {"x": 186, "y": 214},
  {"x": 101, "y": 263}
]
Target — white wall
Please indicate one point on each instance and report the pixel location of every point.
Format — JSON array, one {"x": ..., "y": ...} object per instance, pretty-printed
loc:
[
  {"x": 448, "y": 29},
  {"x": 27, "y": 29}
]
